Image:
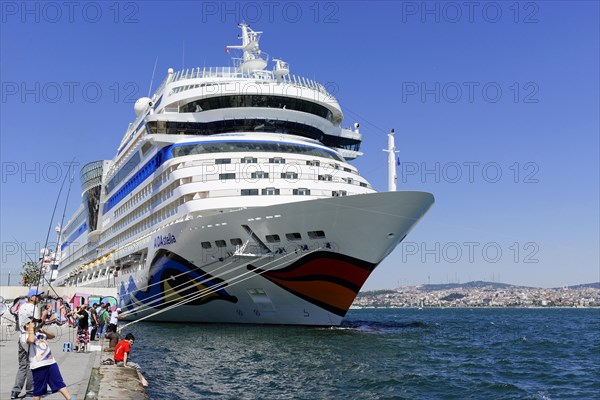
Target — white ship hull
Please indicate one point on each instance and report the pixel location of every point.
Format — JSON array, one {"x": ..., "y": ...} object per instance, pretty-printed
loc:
[{"x": 311, "y": 281}]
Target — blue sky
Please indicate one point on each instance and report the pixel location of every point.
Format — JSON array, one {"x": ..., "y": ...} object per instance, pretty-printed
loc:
[{"x": 495, "y": 106}]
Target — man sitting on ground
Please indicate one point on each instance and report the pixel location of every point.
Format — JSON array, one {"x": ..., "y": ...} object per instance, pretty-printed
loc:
[
  {"x": 121, "y": 356},
  {"x": 114, "y": 340}
]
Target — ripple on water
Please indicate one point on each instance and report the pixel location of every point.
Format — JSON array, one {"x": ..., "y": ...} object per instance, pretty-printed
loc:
[{"x": 379, "y": 354}]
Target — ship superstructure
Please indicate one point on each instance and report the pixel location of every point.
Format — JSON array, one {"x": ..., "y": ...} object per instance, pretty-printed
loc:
[{"x": 231, "y": 199}]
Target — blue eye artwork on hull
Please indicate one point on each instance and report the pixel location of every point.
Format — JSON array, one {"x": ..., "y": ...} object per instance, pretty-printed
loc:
[{"x": 175, "y": 280}]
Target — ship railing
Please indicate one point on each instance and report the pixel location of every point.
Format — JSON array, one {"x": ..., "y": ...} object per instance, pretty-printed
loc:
[{"x": 235, "y": 73}]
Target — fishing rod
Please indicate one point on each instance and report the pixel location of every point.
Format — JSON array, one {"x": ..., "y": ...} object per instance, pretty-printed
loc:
[
  {"x": 41, "y": 275},
  {"x": 50, "y": 227},
  {"x": 62, "y": 220}
]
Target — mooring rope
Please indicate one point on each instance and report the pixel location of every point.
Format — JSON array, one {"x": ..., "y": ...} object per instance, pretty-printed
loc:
[
  {"x": 203, "y": 293},
  {"x": 194, "y": 283}
]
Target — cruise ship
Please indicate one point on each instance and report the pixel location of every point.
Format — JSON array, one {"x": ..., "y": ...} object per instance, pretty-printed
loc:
[{"x": 231, "y": 199}]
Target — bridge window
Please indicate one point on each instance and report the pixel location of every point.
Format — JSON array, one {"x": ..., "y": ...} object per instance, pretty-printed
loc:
[
  {"x": 255, "y": 146},
  {"x": 238, "y": 101},
  {"x": 253, "y": 125}
]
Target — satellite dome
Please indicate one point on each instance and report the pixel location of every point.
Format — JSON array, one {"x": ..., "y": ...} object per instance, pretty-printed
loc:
[{"x": 141, "y": 105}]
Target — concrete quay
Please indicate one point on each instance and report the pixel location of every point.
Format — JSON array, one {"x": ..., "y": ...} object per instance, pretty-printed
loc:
[{"x": 85, "y": 376}]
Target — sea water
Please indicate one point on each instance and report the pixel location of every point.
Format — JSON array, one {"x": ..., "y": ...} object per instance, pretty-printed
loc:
[{"x": 380, "y": 354}]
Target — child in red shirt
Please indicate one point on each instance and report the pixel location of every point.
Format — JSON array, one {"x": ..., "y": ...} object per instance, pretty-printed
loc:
[{"x": 121, "y": 356}]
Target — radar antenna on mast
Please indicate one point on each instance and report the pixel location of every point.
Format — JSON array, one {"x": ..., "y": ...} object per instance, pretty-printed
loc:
[{"x": 252, "y": 58}]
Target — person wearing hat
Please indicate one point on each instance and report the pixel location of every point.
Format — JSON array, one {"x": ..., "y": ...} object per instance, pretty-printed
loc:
[{"x": 27, "y": 312}]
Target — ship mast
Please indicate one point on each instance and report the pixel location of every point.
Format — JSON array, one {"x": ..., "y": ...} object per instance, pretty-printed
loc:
[
  {"x": 252, "y": 58},
  {"x": 391, "y": 150}
]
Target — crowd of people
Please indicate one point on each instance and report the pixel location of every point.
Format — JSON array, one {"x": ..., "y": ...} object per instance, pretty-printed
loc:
[
  {"x": 37, "y": 366},
  {"x": 93, "y": 323}
]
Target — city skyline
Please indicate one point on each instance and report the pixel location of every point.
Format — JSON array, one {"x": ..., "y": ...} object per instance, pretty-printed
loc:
[{"x": 495, "y": 108}]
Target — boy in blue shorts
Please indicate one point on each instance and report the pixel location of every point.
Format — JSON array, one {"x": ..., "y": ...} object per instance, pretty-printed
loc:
[{"x": 43, "y": 365}]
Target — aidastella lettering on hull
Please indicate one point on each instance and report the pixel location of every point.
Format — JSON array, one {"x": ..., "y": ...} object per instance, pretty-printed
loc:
[{"x": 161, "y": 240}]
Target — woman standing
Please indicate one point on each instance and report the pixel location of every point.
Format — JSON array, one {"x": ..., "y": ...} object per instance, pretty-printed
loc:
[{"x": 82, "y": 328}]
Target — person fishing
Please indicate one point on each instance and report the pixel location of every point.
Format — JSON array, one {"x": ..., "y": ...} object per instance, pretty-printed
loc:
[
  {"x": 26, "y": 312},
  {"x": 44, "y": 368}
]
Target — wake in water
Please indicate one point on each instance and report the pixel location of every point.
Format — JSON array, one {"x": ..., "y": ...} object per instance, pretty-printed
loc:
[{"x": 380, "y": 326}]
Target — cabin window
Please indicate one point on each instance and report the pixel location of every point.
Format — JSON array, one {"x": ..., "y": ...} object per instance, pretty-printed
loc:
[
  {"x": 293, "y": 236},
  {"x": 273, "y": 238},
  {"x": 316, "y": 234},
  {"x": 276, "y": 160},
  {"x": 339, "y": 193},
  {"x": 270, "y": 192},
  {"x": 289, "y": 175},
  {"x": 259, "y": 175}
]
